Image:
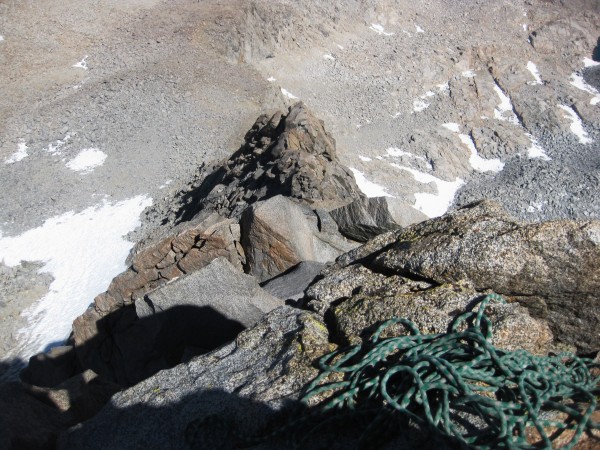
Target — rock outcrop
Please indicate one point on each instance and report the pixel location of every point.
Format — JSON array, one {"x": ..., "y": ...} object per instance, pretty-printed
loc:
[
  {"x": 283, "y": 154},
  {"x": 242, "y": 384}
]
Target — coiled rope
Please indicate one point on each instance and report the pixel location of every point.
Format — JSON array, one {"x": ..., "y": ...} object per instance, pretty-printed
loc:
[{"x": 458, "y": 386}]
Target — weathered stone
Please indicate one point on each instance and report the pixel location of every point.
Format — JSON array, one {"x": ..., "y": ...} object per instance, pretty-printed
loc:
[
  {"x": 353, "y": 280},
  {"x": 557, "y": 263},
  {"x": 245, "y": 382},
  {"x": 279, "y": 233},
  {"x": 290, "y": 155},
  {"x": 433, "y": 310},
  {"x": 292, "y": 284},
  {"x": 364, "y": 218}
]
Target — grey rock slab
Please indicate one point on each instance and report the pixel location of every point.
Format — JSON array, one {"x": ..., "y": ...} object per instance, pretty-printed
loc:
[
  {"x": 245, "y": 383},
  {"x": 219, "y": 286},
  {"x": 364, "y": 218},
  {"x": 292, "y": 284}
]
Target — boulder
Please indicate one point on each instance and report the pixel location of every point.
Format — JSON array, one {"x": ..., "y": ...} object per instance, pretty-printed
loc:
[
  {"x": 232, "y": 391},
  {"x": 364, "y": 218},
  {"x": 279, "y": 233},
  {"x": 553, "y": 267},
  {"x": 291, "y": 285}
]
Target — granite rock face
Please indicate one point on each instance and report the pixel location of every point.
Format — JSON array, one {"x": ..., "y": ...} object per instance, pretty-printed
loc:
[
  {"x": 553, "y": 267},
  {"x": 245, "y": 382}
]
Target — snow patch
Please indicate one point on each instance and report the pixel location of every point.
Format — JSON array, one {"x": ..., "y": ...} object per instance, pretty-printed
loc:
[
  {"x": 341, "y": 47},
  {"x": 271, "y": 79},
  {"x": 379, "y": 29},
  {"x": 166, "y": 183},
  {"x": 578, "y": 81},
  {"x": 83, "y": 252},
  {"x": 87, "y": 160},
  {"x": 420, "y": 105},
  {"x": 433, "y": 205},
  {"x": 524, "y": 27},
  {"x": 419, "y": 29},
  {"x": 452, "y": 127},
  {"x": 364, "y": 158},
  {"x": 587, "y": 62},
  {"x": 1, "y": 38},
  {"x": 468, "y": 74},
  {"x": 55, "y": 148},
  {"x": 536, "y": 151},
  {"x": 288, "y": 94},
  {"x": 477, "y": 162},
  {"x": 397, "y": 152},
  {"x": 576, "y": 124},
  {"x": 443, "y": 87},
  {"x": 505, "y": 107},
  {"x": 534, "y": 71},
  {"x": 329, "y": 57},
  {"x": 17, "y": 156},
  {"x": 82, "y": 64},
  {"x": 368, "y": 188}
]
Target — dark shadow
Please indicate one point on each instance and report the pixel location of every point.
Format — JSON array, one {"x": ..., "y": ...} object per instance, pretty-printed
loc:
[
  {"x": 57, "y": 392},
  {"x": 215, "y": 419},
  {"x": 596, "y": 52},
  {"x": 10, "y": 368}
]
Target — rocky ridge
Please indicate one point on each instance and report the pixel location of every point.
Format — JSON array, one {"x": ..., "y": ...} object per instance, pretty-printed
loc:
[{"x": 188, "y": 335}]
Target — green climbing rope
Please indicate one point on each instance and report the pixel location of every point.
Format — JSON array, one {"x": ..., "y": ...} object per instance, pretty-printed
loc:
[{"x": 458, "y": 386}]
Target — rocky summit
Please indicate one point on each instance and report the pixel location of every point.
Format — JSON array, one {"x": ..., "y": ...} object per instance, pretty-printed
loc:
[{"x": 289, "y": 289}]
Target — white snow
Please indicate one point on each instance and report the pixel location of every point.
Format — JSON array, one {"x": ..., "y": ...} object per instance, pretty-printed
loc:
[
  {"x": 341, "y": 47},
  {"x": 419, "y": 105},
  {"x": 87, "y": 160},
  {"x": 166, "y": 183},
  {"x": 1, "y": 38},
  {"x": 524, "y": 27},
  {"x": 505, "y": 107},
  {"x": 82, "y": 64},
  {"x": 468, "y": 74},
  {"x": 364, "y": 158},
  {"x": 368, "y": 188},
  {"x": 419, "y": 29},
  {"x": 536, "y": 151},
  {"x": 477, "y": 162},
  {"x": 397, "y": 152},
  {"x": 534, "y": 71},
  {"x": 83, "y": 252},
  {"x": 533, "y": 206},
  {"x": 20, "y": 154},
  {"x": 443, "y": 87},
  {"x": 452, "y": 127},
  {"x": 271, "y": 79},
  {"x": 379, "y": 29},
  {"x": 576, "y": 124},
  {"x": 433, "y": 205},
  {"x": 578, "y": 81},
  {"x": 428, "y": 94},
  {"x": 55, "y": 148},
  {"x": 288, "y": 94},
  {"x": 328, "y": 56},
  {"x": 587, "y": 62}
]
